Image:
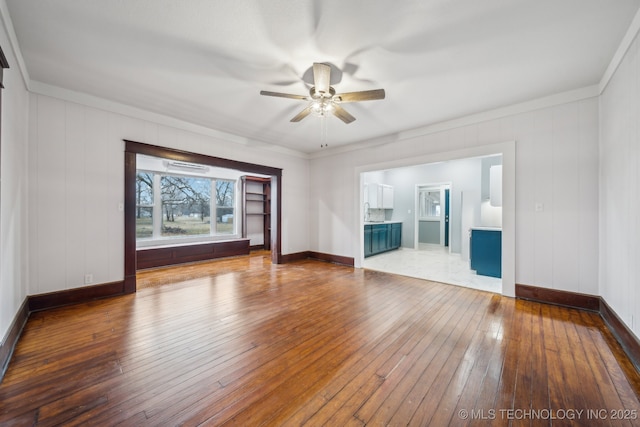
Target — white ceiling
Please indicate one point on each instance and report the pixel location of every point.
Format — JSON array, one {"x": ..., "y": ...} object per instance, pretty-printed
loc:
[{"x": 205, "y": 61}]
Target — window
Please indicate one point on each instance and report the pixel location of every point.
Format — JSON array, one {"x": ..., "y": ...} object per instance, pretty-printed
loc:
[
  {"x": 144, "y": 205},
  {"x": 186, "y": 206},
  {"x": 170, "y": 206},
  {"x": 429, "y": 203},
  {"x": 225, "y": 212}
]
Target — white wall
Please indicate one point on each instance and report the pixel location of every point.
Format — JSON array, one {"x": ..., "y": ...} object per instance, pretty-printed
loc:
[
  {"x": 76, "y": 170},
  {"x": 556, "y": 165},
  {"x": 13, "y": 208},
  {"x": 620, "y": 190}
]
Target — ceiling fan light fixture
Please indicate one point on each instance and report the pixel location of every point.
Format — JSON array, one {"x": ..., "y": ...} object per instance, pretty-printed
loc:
[
  {"x": 322, "y": 107},
  {"x": 323, "y": 98}
]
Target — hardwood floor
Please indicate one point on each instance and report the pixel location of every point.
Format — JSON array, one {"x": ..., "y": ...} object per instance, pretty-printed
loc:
[{"x": 243, "y": 342}]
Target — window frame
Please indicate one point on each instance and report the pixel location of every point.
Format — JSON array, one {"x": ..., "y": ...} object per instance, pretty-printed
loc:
[{"x": 157, "y": 239}]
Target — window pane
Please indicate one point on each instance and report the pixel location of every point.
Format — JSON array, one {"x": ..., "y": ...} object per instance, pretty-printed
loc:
[
  {"x": 185, "y": 206},
  {"x": 144, "y": 222},
  {"x": 224, "y": 207},
  {"x": 144, "y": 188},
  {"x": 224, "y": 223},
  {"x": 144, "y": 205},
  {"x": 429, "y": 203},
  {"x": 224, "y": 193}
]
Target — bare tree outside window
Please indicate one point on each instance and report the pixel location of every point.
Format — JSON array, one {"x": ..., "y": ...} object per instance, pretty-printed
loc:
[
  {"x": 224, "y": 207},
  {"x": 186, "y": 205},
  {"x": 144, "y": 205}
]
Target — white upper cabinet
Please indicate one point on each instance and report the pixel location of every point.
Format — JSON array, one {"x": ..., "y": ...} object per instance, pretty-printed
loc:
[{"x": 380, "y": 196}]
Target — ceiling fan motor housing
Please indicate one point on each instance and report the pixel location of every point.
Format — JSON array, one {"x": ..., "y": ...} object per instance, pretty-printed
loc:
[{"x": 321, "y": 94}]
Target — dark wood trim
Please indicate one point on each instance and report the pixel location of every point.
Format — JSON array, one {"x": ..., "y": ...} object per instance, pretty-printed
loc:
[
  {"x": 3, "y": 64},
  {"x": 130, "y": 256},
  {"x": 276, "y": 235},
  {"x": 3, "y": 60},
  {"x": 558, "y": 297},
  {"x": 203, "y": 159},
  {"x": 298, "y": 256},
  {"x": 132, "y": 148},
  {"x": 75, "y": 296},
  {"x": 624, "y": 336},
  {"x": 12, "y": 336},
  {"x": 172, "y": 255},
  {"x": 336, "y": 259}
]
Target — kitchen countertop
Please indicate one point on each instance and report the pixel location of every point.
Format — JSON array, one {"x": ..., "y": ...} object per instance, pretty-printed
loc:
[
  {"x": 381, "y": 222},
  {"x": 486, "y": 228}
]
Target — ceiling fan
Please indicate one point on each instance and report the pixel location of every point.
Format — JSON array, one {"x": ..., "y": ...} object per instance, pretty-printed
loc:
[{"x": 323, "y": 98}]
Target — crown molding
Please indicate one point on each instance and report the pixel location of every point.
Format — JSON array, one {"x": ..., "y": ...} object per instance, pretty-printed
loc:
[
  {"x": 13, "y": 41},
  {"x": 622, "y": 50},
  {"x": 161, "y": 119},
  {"x": 523, "y": 107}
]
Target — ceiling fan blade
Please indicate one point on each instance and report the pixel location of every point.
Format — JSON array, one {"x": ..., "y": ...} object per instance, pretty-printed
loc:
[
  {"x": 321, "y": 77},
  {"x": 302, "y": 114},
  {"x": 282, "y": 95},
  {"x": 342, "y": 114},
  {"x": 365, "y": 95}
]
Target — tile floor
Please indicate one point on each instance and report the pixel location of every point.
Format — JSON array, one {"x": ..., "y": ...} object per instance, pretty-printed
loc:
[{"x": 432, "y": 262}]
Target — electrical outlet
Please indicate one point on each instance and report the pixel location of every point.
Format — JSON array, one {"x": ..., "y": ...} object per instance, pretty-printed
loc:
[{"x": 88, "y": 279}]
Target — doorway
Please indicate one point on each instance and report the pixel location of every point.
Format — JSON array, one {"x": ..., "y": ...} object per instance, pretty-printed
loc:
[
  {"x": 468, "y": 167},
  {"x": 433, "y": 219}
]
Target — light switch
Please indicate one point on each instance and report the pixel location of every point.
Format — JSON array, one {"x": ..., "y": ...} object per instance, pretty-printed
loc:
[
  {"x": 539, "y": 207},
  {"x": 120, "y": 207}
]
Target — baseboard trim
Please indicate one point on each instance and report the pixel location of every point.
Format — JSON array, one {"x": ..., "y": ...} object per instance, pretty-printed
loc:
[
  {"x": 76, "y": 296},
  {"x": 10, "y": 340},
  {"x": 558, "y": 297},
  {"x": 625, "y": 337},
  {"x": 298, "y": 256},
  {"x": 335, "y": 259}
]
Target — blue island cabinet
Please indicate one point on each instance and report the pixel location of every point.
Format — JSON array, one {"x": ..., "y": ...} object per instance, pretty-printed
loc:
[
  {"x": 382, "y": 237},
  {"x": 486, "y": 251}
]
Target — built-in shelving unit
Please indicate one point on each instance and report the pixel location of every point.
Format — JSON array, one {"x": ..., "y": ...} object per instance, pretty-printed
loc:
[{"x": 256, "y": 211}]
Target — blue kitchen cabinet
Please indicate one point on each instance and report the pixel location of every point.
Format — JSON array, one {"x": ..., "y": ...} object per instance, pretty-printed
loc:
[
  {"x": 367, "y": 240},
  {"x": 486, "y": 252},
  {"x": 382, "y": 237},
  {"x": 379, "y": 238},
  {"x": 396, "y": 235}
]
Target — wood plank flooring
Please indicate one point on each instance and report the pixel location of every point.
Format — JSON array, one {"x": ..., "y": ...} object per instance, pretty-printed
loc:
[{"x": 243, "y": 342}]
